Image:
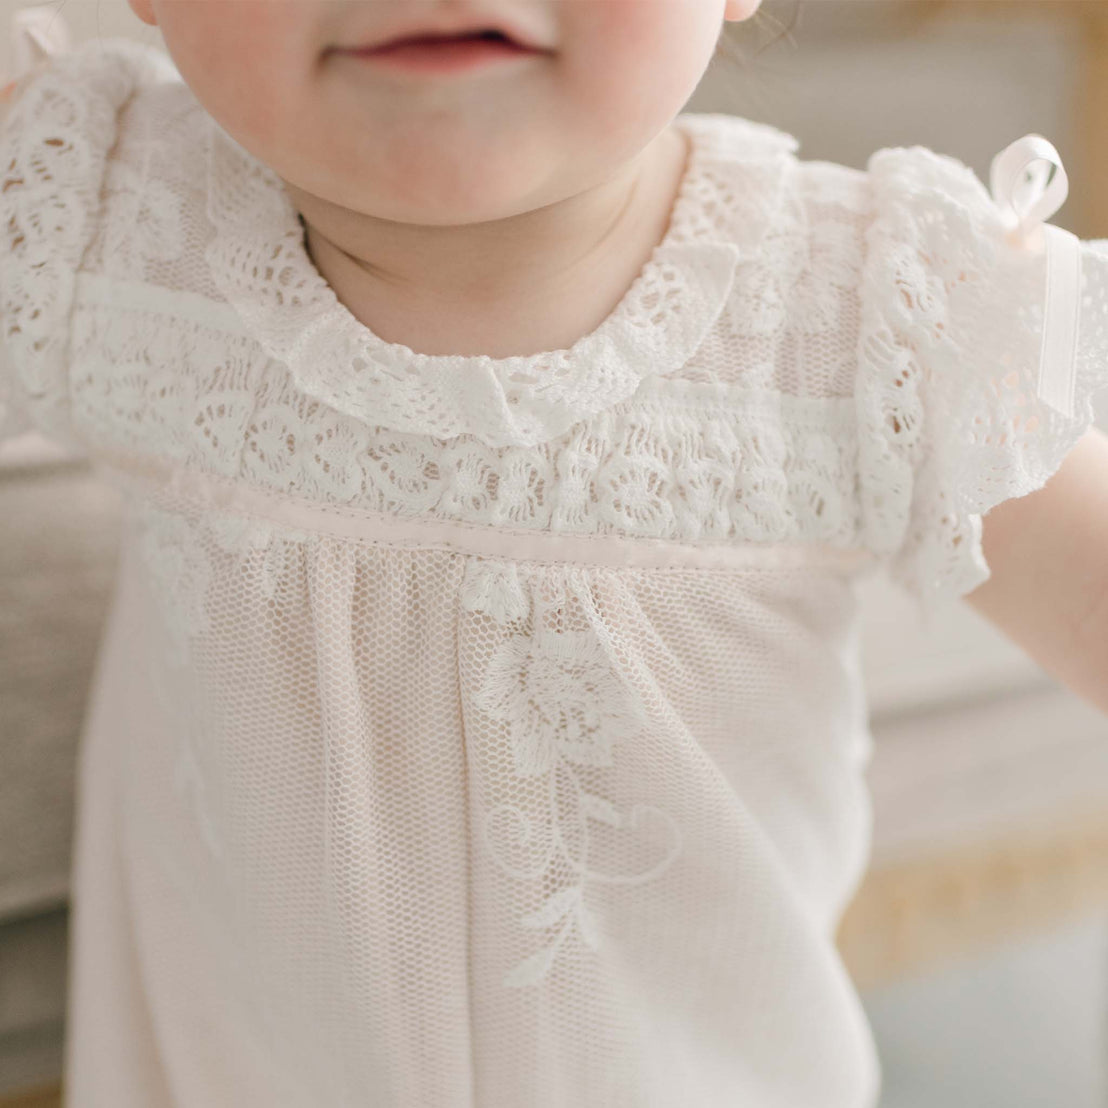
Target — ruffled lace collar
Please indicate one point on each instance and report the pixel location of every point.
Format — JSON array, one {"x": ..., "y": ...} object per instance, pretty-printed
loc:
[{"x": 260, "y": 262}]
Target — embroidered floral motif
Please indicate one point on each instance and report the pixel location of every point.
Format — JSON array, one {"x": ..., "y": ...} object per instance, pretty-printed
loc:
[
  {"x": 523, "y": 490},
  {"x": 635, "y": 491},
  {"x": 564, "y": 706},
  {"x": 561, "y": 698},
  {"x": 405, "y": 474},
  {"x": 332, "y": 460},
  {"x": 471, "y": 480},
  {"x": 495, "y": 589},
  {"x": 272, "y": 438}
]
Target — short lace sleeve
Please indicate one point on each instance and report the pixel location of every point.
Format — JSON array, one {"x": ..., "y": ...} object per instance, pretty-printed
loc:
[
  {"x": 56, "y": 134},
  {"x": 949, "y": 420}
]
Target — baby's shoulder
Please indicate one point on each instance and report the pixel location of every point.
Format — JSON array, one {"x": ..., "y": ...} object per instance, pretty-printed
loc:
[
  {"x": 161, "y": 149},
  {"x": 70, "y": 120},
  {"x": 796, "y": 228},
  {"x": 744, "y": 165}
]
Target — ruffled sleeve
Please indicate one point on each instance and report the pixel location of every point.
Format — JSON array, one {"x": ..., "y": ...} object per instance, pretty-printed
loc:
[
  {"x": 949, "y": 419},
  {"x": 57, "y": 128}
]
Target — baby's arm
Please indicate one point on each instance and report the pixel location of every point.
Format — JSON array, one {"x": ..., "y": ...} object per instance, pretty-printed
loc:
[{"x": 1048, "y": 556}]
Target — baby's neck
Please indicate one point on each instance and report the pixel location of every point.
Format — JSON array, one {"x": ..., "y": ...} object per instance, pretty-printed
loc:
[{"x": 532, "y": 283}]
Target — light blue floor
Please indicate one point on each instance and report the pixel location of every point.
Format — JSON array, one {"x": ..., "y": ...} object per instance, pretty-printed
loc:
[{"x": 1025, "y": 1026}]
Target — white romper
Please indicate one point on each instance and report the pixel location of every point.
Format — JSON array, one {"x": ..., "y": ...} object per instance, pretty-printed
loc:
[{"x": 490, "y": 733}]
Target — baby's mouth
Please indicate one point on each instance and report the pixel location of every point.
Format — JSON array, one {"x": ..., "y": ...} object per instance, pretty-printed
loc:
[{"x": 431, "y": 53}]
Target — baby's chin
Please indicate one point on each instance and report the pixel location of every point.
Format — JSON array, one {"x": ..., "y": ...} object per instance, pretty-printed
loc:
[{"x": 439, "y": 186}]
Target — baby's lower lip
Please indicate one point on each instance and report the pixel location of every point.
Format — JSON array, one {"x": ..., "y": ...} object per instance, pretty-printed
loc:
[{"x": 446, "y": 55}]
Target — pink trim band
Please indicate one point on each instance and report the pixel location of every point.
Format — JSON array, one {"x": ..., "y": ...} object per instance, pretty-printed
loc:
[{"x": 132, "y": 473}]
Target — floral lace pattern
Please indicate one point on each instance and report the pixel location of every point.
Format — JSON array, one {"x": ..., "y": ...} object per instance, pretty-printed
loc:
[
  {"x": 57, "y": 137},
  {"x": 765, "y": 380},
  {"x": 558, "y": 696},
  {"x": 949, "y": 418},
  {"x": 683, "y": 460}
]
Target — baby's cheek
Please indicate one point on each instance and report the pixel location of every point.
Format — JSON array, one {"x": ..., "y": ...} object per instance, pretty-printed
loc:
[
  {"x": 659, "y": 45},
  {"x": 248, "y": 64}
]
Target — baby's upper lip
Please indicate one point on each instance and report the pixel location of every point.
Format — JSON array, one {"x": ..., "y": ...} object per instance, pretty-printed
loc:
[{"x": 446, "y": 27}]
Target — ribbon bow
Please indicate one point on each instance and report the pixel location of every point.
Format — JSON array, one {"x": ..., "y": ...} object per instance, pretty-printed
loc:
[
  {"x": 1029, "y": 184},
  {"x": 37, "y": 35}
]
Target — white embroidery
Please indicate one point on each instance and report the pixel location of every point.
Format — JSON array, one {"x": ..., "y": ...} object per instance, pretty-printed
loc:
[
  {"x": 558, "y": 693},
  {"x": 564, "y": 705},
  {"x": 495, "y": 589}
]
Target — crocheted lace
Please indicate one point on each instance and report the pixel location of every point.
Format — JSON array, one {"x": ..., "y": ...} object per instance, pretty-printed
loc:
[
  {"x": 57, "y": 136},
  {"x": 949, "y": 354}
]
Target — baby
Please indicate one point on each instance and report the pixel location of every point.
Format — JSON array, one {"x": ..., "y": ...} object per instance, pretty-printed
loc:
[{"x": 479, "y": 719}]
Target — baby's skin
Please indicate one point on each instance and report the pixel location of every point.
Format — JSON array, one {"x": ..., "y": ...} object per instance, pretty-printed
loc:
[{"x": 503, "y": 209}]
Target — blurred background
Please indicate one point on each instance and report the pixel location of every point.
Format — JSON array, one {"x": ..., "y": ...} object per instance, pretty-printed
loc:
[{"x": 979, "y": 937}]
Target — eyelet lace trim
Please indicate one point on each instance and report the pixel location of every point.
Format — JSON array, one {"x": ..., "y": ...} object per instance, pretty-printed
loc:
[{"x": 260, "y": 262}]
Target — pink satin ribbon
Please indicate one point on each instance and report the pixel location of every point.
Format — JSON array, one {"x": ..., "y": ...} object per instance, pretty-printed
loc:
[{"x": 1029, "y": 184}]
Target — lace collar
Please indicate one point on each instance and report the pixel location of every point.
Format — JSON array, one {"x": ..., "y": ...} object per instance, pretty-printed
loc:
[{"x": 259, "y": 260}]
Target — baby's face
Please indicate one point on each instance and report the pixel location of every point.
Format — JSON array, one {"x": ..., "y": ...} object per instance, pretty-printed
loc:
[{"x": 447, "y": 148}]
